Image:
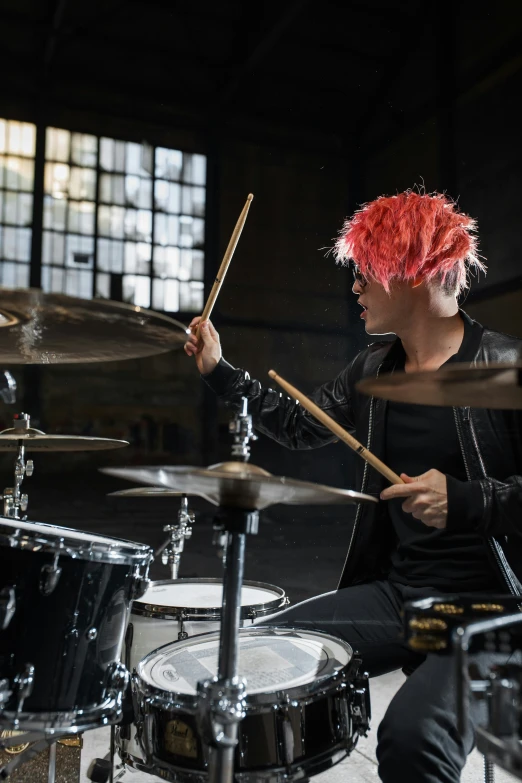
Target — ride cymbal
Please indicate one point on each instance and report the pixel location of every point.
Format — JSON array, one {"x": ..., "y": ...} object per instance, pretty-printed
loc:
[
  {"x": 239, "y": 485},
  {"x": 40, "y": 328},
  {"x": 494, "y": 386}
]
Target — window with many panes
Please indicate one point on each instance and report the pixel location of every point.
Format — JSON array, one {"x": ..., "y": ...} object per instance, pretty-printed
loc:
[
  {"x": 120, "y": 219},
  {"x": 17, "y": 147}
]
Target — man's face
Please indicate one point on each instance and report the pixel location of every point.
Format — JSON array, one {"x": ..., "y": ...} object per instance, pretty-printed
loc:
[{"x": 383, "y": 313}]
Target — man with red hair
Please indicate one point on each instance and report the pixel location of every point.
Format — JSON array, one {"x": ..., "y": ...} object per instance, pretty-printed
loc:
[{"x": 453, "y": 526}]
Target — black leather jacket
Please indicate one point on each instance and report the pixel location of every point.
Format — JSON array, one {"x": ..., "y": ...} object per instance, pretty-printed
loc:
[{"x": 489, "y": 503}]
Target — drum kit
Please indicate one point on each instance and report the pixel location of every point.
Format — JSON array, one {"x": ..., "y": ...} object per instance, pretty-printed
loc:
[{"x": 191, "y": 689}]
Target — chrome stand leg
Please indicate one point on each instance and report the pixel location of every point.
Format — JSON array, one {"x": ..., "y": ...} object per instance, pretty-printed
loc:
[{"x": 52, "y": 764}]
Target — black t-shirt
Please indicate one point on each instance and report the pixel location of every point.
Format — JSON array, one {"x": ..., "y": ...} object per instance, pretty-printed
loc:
[{"x": 420, "y": 437}]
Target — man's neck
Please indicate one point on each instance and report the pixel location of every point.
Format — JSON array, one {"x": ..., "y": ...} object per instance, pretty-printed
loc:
[{"x": 431, "y": 340}]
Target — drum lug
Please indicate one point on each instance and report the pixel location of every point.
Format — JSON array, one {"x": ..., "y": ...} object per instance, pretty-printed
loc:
[
  {"x": 182, "y": 634},
  {"x": 23, "y": 685},
  {"x": 50, "y": 576},
  {"x": 139, "y": 586},
  {"x": 360, "y": 704},
  {"x": 220, "y": 702},
  {"x": 7, "y": 606},
  {"x": 117, "y": 678}
]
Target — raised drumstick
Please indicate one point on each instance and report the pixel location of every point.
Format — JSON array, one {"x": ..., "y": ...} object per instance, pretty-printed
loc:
[
  {"x": 341, "y": 433},
  {"x": 227, "y": 258}
]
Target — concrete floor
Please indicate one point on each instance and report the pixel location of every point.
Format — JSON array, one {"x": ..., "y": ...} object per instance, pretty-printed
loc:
[{"x": 360, "y": 767}]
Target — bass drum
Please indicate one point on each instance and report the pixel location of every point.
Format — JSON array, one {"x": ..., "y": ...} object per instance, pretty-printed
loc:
[
  {"x": 305, "y": 705},
  {"x": 65, "y": 599},
  {"x": 173, "y": 610}
]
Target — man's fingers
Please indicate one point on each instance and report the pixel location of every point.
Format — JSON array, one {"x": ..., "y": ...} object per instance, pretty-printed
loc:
[
  {"x": 212, "y": 330},
  {"x": 402, "y": 491}
]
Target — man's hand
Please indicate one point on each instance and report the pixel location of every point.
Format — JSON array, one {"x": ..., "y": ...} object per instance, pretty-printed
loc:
[
  {"x": 427, "y": 497},
  {"x": 207, "y": 349}
]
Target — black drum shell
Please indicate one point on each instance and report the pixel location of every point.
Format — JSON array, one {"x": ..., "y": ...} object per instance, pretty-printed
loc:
[
  {"x": 173, "y": 741},
  {"x": 70, "y": 636}
]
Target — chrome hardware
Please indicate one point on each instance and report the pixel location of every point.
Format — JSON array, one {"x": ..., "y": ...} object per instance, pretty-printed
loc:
[
  {"x": 7, "y": 606},
  {"x": 117, "y": 678},
  {"x": 242, "y": 430},
  {"x": 221, "y": 703},
  {"x": 23, "y": 685},
  {"x": 172, "y": 548},
  {"x": 139, "y": 587},
  {"x": 91, "y": 634},
  {"x": 14, "y": 501},
  {"x": 182, "y": 634},
  {"x": 50, "y": 576}
]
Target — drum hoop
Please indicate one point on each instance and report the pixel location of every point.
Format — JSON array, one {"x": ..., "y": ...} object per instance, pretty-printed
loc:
[
  {"x": 162, "y": 612},
  {"x": 323, "y": 685},
  {"x": 119, "y": 552}
]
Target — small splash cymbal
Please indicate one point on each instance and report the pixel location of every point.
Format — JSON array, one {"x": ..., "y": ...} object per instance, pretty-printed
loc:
[
  {"x": 239, "y": 485},
  {"x": 36, "y": 440}
]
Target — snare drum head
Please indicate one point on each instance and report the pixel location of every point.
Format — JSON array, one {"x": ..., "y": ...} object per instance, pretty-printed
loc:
[
  {"x": 270, "y": 659},
  {"x": 201, "y": 594}
]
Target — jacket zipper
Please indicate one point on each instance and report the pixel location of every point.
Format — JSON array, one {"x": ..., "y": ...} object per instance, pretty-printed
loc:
[
  {"x": 492, "y": 543},
  {"x": 365, "y": 475}
]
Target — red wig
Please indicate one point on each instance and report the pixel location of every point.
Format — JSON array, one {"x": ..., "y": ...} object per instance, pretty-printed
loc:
[{"x": 410, "y": 235}]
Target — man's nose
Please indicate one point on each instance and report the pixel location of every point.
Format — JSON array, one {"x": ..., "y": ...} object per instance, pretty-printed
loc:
[{"x": 357, "y": 288}]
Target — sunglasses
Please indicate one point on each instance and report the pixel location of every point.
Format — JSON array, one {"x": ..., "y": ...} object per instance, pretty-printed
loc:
[{"x": 358, "y": 276}]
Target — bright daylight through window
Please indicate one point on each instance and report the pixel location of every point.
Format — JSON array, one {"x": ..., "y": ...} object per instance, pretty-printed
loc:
[{"x": 120, "y": 220}]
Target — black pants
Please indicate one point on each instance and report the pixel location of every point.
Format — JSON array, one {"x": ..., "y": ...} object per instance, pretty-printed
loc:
[{"x": 418, "y": 740}]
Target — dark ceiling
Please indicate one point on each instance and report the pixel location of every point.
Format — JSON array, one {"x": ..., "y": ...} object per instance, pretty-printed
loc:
[{"x": 324, "y": 69}]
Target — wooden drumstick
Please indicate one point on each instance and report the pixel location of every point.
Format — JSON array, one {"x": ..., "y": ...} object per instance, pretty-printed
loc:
[
  {"x": 227, "y": 258},
  {"x": 341, "y": 433}
]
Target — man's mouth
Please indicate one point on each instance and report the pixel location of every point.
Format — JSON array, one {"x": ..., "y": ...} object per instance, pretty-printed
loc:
[{"x": 365, "y": 310}]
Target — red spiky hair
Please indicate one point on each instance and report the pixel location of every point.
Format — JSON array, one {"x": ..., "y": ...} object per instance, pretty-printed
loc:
[{"x": 410, "y": 235}]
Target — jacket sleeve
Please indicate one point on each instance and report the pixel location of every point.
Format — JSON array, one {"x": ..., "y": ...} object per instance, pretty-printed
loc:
[
  {"x": 280, "y": 417},
  {"x": 486, "y": 506}
]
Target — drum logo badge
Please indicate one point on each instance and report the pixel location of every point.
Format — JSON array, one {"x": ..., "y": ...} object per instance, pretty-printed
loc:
[{"x": 180, "y": 739}]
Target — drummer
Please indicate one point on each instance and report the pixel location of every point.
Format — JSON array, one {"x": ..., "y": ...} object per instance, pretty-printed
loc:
[{"x": 453, "y": 526}]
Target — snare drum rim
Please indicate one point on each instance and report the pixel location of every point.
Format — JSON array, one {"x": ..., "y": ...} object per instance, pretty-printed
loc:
[
  {"x": 249, "y": 612},
  {"x": 118, "y": 551},
  {"x": 151, "y": 696}
]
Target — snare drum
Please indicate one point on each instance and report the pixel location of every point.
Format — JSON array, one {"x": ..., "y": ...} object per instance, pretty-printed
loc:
[
  {"x": 173, "y": 610},
  {"x": 305, "y": 705},
  {"x": 65, "y": 598}
]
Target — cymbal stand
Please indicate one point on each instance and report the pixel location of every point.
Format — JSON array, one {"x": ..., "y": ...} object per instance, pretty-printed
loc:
[
  {"x": 172, "y": 548},
  {"x": 222, "y": 698},
  {"x": 15, "y": 501},
  {"x": 241, "y": 428}
]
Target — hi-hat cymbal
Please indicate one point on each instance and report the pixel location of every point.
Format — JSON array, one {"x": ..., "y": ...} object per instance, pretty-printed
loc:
[
  {"x": 494, "y": 386},
  {"x": 147, "y": 492},
  {"x": 36, "y": 440},
  {"x": 239, "y": 485},
  {"x": 39, "y": 328}
]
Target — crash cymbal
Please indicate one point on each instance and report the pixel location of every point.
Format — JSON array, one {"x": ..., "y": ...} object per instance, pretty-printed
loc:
[
  {"x": 494, "y": 386},
  {"x": 36, "y": 440},
  {"x": 147, "y": 492},
  {"x": 239, "y": 485},
  {"x": 39, "y": 328}
]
